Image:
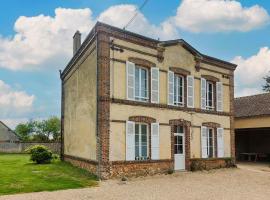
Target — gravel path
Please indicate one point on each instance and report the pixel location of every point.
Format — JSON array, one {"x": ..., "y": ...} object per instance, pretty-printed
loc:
[{"x": 229, "y": 184}]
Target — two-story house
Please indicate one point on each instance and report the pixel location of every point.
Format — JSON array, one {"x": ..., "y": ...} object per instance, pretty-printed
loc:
[{"x": 132, "y": 105}]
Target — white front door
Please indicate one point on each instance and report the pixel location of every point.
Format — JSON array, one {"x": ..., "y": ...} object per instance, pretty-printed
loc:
[{"x": 179, "y": 149}]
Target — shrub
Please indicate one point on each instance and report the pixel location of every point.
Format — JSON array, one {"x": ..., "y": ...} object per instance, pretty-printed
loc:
[
  {"x": 40, "y": 154},
  {"x": 196, "y": 166},
  {"x": 170, "y": 171}
]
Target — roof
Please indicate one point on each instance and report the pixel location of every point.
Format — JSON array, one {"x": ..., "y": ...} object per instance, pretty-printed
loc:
[
  {"x": 112, "y": 29},
  {"x": 10, "y": 130},
  {"x": 252, "y": 106}
]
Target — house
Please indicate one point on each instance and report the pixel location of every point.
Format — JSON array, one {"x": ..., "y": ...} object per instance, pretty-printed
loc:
[
  {"x": 7, "y": 135},
  {"x": 132, "y": 105},
  {"x": 8, "y": 139},
  {"x": 252, "y": 127}
]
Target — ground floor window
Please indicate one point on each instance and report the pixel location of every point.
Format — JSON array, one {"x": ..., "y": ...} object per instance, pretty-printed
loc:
[
  {"x": 141, "y": 141},
  {"x": 210, "y": 142}
]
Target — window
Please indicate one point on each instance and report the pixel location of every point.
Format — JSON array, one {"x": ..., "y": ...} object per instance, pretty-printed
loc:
[
  {"x": 141, "y": 84},
  {"x": 178, "y": 140},
  {"x": 178, "y": 90},
  {"x": 209, "y": 95},
  {"x": 141, "y": 142},
  {"x": 210, "y": 143}
]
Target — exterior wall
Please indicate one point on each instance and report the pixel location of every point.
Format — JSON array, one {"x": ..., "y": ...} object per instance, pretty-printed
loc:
[
  {"x": 112, "y": 112},
  {"x": 252, "y": 122},
  {"x": 80, "y": 107},
  {"x": 20, "y": 147},
  {"x": 123, "y": 112},
  {"x": 120, "y": 111},
  {"x": 174, "y": 56}
]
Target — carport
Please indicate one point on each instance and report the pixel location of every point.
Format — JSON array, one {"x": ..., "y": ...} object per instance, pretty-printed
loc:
[{"x": 252, "y": 128}]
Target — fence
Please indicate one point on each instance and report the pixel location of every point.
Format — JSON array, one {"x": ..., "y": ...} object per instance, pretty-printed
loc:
[{"x": 19, "y": 147}]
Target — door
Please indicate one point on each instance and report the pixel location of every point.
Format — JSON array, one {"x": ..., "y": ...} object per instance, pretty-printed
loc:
[{"x": 179, "y": 149}]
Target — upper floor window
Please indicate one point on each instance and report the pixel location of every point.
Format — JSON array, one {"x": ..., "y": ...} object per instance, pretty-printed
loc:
[
  {"x": 178, "y": 90},
  {"x": 209, "y": 95},
  {"x": 141, "y": 84}
]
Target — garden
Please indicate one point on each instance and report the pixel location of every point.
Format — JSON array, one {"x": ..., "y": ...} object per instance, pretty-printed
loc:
[{"x": 40, "y": 170}]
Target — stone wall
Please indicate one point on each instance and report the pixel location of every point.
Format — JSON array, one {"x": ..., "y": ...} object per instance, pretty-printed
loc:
[{"x": 20, "y": 147}]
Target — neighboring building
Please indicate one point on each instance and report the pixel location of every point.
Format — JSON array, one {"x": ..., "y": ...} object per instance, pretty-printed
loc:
[
  {"x": 7, "y": 135},
  {"x": 133, "y": 105},
  {"x": 252, "y": 127}
]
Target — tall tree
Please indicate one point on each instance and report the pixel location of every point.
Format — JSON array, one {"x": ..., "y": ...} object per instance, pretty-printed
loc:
[
  {"x": 40, "y": 131},
  {"x": 50, "y": 128},
  {"x": 24, "y": 130},
  {"x": 266, "y": 86}
]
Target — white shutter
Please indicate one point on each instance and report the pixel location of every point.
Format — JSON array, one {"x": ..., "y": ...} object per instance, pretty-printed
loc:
[
  {"x": 154, "y": 85},
  {"x": 155, "y": 141},
  {"x": 220, "y": 142},
  {"x": 170, "y": 88},
  {"x": 130, "y": 140},
  {"x": 203, "y": 93},
  {"x": 130, "y": 84},
  {"x": 204, "y": 141},
  {"x": 190, "y": 91},
  {"x": 219, "y": 92}
]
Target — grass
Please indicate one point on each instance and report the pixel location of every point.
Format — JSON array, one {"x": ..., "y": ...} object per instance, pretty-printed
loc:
[{"x": 19, "y": 175}]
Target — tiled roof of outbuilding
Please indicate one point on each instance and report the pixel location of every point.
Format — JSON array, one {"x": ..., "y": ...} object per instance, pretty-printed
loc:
[{"x": 250, "y": 106}]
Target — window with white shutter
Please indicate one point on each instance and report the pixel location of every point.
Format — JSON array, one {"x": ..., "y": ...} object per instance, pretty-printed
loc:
[
  {"x": 190, "y": 91},
  {"x": 203, "y": 93},
  {"x": 179, "y": 83},
  {"x": 130, "y": 80},
  {"x": 130, "y": 140},
  {"x": 219, "y": 92},
  {"x": 154, "y": 85},
  {"x": 204, "y": 147},
  {"x": 220, "y": 142},
  {"x": 155, "y": 141},
  {"x": 170, "y": 88}
]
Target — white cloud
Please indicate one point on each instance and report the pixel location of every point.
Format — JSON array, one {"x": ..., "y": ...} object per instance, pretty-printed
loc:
[
  {"x": 240, "y": 92},
  {"x": 219, "y": 16},
  {"x": 13, "y": 102},
  {"x": 43, "y": 41},
  {"x": 46, "y": 42},
  {"x": 250, "y": 72},
  {"x": 120, "y": 15}
]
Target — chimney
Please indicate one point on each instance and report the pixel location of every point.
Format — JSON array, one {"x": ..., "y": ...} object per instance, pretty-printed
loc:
[{"x": 76, "y": 42}]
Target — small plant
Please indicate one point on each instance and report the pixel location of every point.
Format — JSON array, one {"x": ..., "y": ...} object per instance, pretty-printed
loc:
[
  {"x": 196, "y": 166},
  {"x": 170, "y": 171},
  {"x": 40, "y": 154},
  {"x": 229, "y": 162},
  {"x": 124, "y": 178}
]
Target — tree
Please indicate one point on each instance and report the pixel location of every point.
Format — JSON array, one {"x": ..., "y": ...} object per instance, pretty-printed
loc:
[
  {"x": 266, "y": 86},
  {"x": 50, "y": 128},
  {"x": 24, "y": 130},
  {"x": 40, "y": 131}
]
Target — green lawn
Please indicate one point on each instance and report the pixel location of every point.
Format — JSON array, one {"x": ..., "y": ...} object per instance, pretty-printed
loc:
[{"x": 19, "y": 175}]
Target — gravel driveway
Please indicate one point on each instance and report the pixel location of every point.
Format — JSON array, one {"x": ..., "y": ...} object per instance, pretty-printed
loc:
[{"x": 231, "y": 184}]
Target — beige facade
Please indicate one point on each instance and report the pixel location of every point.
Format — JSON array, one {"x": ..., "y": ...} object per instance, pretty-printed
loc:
[
  {"x": 80, "y": 108},
  {"x": 96, "y": 109},
  {"x": 174, "y": 56},
  {"x": 252, "y": 122}
]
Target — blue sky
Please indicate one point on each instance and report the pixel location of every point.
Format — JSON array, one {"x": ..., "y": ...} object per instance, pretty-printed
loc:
[{"x": 36, "y": 39}]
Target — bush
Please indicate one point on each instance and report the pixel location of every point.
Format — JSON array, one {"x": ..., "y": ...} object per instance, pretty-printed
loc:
[
  {"x": 40, "y": 154},
  {"x": 170, "y": 171},
  {"x": 196, "y": 166}
]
